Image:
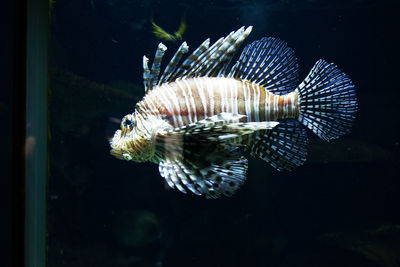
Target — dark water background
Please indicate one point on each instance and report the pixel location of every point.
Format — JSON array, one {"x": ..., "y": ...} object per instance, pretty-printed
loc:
[{"x": 340, "y": 209}]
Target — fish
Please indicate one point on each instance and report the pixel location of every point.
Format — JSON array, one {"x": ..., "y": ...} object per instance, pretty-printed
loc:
[
  {"x": 160, "y": 33},
  {"x": 200, "y": 118}
]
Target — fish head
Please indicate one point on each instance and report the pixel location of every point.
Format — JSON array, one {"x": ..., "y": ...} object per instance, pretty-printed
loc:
[{"x": 132, "y": 141}]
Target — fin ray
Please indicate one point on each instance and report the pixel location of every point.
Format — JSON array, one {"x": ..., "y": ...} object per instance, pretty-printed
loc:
[
  {"x": 284, "y": 147},
  {"x": 204, "y": 61},
  {"x": 327, "y": 101},
  {"x": 221, "y": 127},
  {"x": 211, "y": 61},
  {"x": 183, "y": 49},
  {"x": 212, "y": 175},
  {"x": 270, "y": 63}
]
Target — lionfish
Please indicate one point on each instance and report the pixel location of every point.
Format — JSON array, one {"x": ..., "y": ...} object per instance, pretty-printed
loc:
[{"x": 197, "y": 119}]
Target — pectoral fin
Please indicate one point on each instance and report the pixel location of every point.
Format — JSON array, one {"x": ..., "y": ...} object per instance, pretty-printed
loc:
[
  {"x": 219, "y": 128},
  {"x": 199, "y": 157},
  {"x": 211, "y": 175}
]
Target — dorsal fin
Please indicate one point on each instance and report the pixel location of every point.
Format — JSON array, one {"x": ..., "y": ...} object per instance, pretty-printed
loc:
[
  {"x": 183, "y": 49},
  {"x": 150, "y": 77},
  {"x": 270, "y": 63},
  {"x": 190, "y": 60},
  {"x": 216, "y": 60},
  {"x": 216, "y": 57},
  {"x": 206, "y": 60}
]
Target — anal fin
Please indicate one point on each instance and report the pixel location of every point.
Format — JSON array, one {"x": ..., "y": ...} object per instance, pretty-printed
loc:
[{"x": 284, "y": 147}]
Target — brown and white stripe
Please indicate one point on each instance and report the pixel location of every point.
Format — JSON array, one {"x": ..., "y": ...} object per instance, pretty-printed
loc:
[{"x": 189, "y": 100}]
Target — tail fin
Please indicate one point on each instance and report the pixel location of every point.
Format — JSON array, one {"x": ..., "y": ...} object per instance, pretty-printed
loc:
[{"x": 327, "y": 101}]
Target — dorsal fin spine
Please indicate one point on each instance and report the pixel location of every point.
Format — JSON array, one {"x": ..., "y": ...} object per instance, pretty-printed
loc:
[
  {"x": 155, "y": 67},
  {"x": 186, "y": 64},
  {"x": 146, "y": 74},
  {"x": 205, "y": 60},
  {"x": 233, "y": 48},
  {"x": 183, "y": 49},
  {"x": 221, "y": 54}
]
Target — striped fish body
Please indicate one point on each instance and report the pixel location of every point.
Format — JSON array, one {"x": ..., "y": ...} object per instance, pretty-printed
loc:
[
  {"x": 190, "y": 100},
  {"x": 196, "y": 118}
]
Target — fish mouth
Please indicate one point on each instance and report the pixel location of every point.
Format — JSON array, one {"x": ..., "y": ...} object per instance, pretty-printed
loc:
[
  {"x": 120, "y": 146},
  {"x": 115, "y": 144},
  {"x": 115, "y": 139},
  {"x": 116, "y": 153}
]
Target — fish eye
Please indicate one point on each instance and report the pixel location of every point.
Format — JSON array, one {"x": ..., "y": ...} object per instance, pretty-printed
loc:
[{"x": 127, "y": 123}]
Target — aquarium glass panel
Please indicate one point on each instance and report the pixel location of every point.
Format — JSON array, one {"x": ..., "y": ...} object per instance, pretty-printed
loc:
[{"x": 275, "y": 144}]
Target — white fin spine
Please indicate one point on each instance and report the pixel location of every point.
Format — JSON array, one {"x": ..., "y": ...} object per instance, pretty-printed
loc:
[
  {"x": 155, "y": 67},
  {"x": 204, "y": 61},
  {"x": 183, "y": 49},
  {"x": 146, "y": 74}
]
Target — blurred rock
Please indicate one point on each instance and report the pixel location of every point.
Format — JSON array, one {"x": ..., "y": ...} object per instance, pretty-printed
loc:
[
  {"x": 380, "y": 245},
  {"x": 348, "y": 150},
  {"x": 136, "y": 228}
]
